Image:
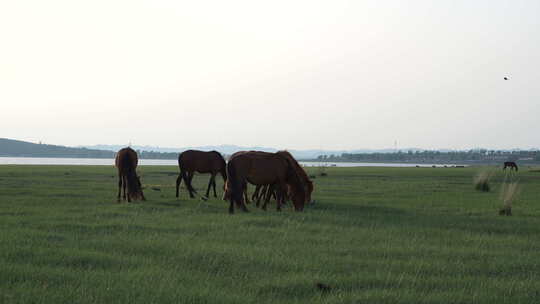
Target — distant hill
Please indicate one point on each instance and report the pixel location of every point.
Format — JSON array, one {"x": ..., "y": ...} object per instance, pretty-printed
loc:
[{"x": 17, "y": 148}]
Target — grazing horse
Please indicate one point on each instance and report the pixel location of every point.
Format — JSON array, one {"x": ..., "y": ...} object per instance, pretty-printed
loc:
[
  {"x": 126, "y": 162},
  {"x": 268, "y": 190},
  {"x": 510, "y": 164},
  {"x": 262, "y": 168},
  {"x": 304, "y": 178},
  {"x": 191, "y": 161},
  {"x": 226, "y": 194}
]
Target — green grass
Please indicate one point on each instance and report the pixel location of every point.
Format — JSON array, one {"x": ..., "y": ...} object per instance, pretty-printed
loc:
[{"x": 375, "y": 235}]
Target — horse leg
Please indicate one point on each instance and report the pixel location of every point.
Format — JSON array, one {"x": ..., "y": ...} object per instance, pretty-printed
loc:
[
  {"x": 231, "y": 205},
  {"x": 119, "y": 188},
  {"x": 260, "y": 195},
  {"x": 255, "y": 194},
  {"x": 246, "y": 198},
  {"x": 209, "y": 185},
  {"x": 126, "y": 190},
  {"x": 128, "y": 196},
  {"x": 214, "y": 185},
  {"x": 267, "y": 195},
  {"x": 178, "y": 181},
  {"x": 281, "y": 194},
  {"x": 124, "y": 187},
  {"x": 142, "y": 196},
  {"x": 242, "y": 204},
  {"x": 190, "y": 187}
]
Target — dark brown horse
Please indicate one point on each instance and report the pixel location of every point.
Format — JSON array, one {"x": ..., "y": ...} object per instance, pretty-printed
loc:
[
  {"x": 226, "y": 194},
  {"x": 267, "y": 191},
  {"x": 304, "y": 178},
  {"x": 262, "y": 168},
  {"x": 126, "y": 162},
  {"x": 192, "y": 161},
  {"x": 510, "y": 164}
]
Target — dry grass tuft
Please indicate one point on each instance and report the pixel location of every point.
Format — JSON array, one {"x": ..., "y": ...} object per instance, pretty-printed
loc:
[
  {"x": 481, "y": 181},
  {"x": 509, "y": 193}
]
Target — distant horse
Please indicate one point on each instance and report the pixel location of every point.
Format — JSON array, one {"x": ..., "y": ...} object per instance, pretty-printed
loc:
[
  {"x": 510, "y": 164},
  {"x": 191, "y": 161},
  {"x": 126, "y": 162},
  {"x": 262, "y": 168}
]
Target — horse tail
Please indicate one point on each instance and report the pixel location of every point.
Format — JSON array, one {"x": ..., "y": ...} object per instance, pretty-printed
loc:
[
  {"x": 134, "y": 185},
  {"x": 184, "y": 175},
  {"x": 128, "y": 166},
  {"x": 234, "y": 186},
  {"x": 187, "y": 181}
]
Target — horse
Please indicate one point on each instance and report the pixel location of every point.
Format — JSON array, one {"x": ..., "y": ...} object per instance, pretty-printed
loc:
[
  {"x": 126, "y": 162},
  {"x": 510, "y": 164},
  {"x": 191, "y": 161},
  {"x": 304, "y": 178},
  {"x": 269, "y": 191},
  {"x": 263, "y": 168}
]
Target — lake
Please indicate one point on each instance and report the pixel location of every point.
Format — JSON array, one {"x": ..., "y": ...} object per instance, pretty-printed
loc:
[{"x": 173, "y": 162}]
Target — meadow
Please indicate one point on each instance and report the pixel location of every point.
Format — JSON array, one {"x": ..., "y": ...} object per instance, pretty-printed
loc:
[{"x": 374, "y": 235}]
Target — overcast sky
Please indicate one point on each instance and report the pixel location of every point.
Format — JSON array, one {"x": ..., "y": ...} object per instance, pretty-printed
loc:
[{"x": 284, "y": 74}]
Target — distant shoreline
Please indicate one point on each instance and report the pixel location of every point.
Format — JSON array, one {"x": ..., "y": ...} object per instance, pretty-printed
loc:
[{"x": 4, "y": 159}]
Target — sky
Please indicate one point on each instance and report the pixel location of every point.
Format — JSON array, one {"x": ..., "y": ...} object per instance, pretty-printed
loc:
[{"x": 285, "y": 74}]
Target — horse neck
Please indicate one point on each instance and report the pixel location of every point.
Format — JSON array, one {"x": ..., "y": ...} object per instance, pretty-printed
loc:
[{"x": 293, "y": 176}]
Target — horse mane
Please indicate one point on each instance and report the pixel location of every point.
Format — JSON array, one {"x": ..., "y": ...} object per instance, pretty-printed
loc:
[
  {"x": 296, "y": 165},
  {"x": 219, "y": 155},
  {"x": 293, "y": 172},
  {"x": 223, "y": 161}
]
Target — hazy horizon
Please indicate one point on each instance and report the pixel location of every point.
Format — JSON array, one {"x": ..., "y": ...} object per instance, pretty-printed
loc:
[
  {"x": 338, "y": 75},
  {"x": 402, "y": 149}
]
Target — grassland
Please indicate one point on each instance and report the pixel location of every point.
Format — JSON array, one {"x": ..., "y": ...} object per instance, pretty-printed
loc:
[{"x": 375, "y": 235}]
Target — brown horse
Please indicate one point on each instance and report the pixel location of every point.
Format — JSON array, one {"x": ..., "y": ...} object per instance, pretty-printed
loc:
[
  {"x": 268, "y": 190},
  {"x": 192, "y": 161},
  {"x": 304, "y": 178},
  {"x": 126, "y": 162},
  {"x": 262, "y": 168},
  {"x": 510, "y": 164}
]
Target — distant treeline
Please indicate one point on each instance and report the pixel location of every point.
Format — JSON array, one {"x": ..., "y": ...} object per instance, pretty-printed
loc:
[
  {"x": 157, "y": 155},
  {"x": 17, "y": 148},
  {"x": 480, "y": 156}
]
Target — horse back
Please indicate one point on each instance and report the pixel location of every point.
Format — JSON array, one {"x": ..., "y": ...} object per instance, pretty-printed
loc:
[
  {"x": 201, "y": 161},
  {"x": 126, "y": 159},
  {"x": 259, "y": 168}
]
